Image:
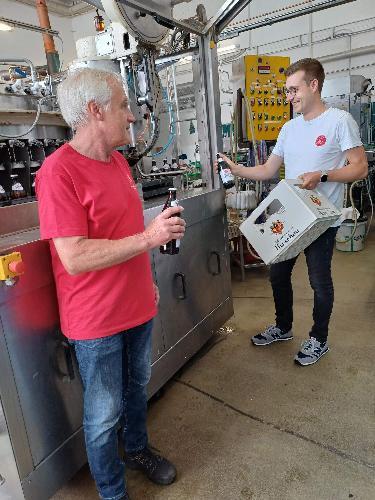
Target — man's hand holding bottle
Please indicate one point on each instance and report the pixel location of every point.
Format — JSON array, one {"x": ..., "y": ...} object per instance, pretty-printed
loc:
[
  {"x": 165, "y": 227},
  {"x": 234, "y": 168}
]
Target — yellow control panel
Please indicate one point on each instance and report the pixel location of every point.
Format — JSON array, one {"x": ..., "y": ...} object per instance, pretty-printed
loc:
[
  {"x": 265, "y": 90},
  {"x": 11, "y": 265}
]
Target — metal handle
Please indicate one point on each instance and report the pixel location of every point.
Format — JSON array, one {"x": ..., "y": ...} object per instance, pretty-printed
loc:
[
  {"x": 69, "y": 375},
  {"x": 218, "y": 260},
  {"x": 183, "y": 283}
]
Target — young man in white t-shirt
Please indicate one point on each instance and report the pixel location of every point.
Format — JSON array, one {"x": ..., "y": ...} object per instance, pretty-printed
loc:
[{"x": 322, "y": 146}]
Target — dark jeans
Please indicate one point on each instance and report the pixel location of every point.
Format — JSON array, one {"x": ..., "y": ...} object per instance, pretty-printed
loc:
[
  {"x": 115, "y": 372},
  {"x": 318, "y": 259}
]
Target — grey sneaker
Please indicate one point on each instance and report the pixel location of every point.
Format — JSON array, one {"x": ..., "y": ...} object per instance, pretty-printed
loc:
[
  {"x": 311, "y": 351},
  {"x": 271, "y": 334}
]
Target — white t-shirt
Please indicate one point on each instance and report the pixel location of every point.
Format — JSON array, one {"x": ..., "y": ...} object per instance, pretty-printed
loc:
[{"x": 318, "y": 144}]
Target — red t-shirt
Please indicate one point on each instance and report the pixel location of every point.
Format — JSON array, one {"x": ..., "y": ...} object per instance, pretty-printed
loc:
[{"x": 79, "y": 196}]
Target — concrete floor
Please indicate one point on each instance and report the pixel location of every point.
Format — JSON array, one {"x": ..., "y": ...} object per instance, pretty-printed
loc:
[{"x": 242, "y": 422}]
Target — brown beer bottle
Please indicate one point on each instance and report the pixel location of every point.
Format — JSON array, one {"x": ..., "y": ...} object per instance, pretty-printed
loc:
[
  {"x": 17, "y": 190},
  {"x": 226, "y": 176},
  {"x": 173, "y": 246}
]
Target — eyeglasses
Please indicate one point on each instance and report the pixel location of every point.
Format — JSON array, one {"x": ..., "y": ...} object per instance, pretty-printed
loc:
[{"x": 292, "y": 91}]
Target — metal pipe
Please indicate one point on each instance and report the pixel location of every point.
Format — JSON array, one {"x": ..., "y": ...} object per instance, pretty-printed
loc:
[
  {"x": 161, "y": 174},
  {"x": 11, "y": 60},
  {"x": 125, "y": 80},
  {"x": 177, "y": 107},
  {"x": 26, "y": 26},
  {"x": 267, "y": 21},
  {"x": 53, "y": 61},
  {"x": 353, "y": 53}
]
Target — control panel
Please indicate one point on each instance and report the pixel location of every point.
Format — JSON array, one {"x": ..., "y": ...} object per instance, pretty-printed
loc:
[{"x": 265, "y": 90}]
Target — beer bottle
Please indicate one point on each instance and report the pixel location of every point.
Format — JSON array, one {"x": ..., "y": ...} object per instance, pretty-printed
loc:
[
  {"x": 226, "y": 176},
  {"x": 17, "y": 190},
  {"x": 154, "y": 167},
  {"x": 3, "y": 195},
  {"x": 166, "y": 167},
  {"x": 174, "y": 165},
  {"x": 173, "y": 246},
  {"x": 32, "y": 177}
]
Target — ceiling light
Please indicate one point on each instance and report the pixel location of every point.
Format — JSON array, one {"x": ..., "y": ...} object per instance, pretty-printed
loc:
[
  {"x": 185, "y": 60},
  {"x": 228, "y": 48},
  {"x": 5, "y": 27}
]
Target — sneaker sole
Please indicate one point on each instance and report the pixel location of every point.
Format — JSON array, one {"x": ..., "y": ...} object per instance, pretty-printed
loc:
[
  {"x": 311, "y": 362},
  {"x": 272, "y": 341}
]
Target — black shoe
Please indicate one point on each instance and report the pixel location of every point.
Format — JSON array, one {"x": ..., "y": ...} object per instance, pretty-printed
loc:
[{"x": 158, "y": 469}]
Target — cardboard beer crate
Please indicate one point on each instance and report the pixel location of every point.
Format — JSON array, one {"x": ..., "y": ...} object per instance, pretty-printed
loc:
[{"x": 287, "y": 221}]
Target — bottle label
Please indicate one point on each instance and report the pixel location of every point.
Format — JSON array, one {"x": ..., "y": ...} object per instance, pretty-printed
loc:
[
  {"x": 226, "y": 175},
  {"x": 2, "y": 191},
  {"x": 17, "y": 187}
]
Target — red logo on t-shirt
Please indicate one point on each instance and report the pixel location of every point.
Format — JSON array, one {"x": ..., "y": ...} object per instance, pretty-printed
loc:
[{"x": 320, "y": 140}]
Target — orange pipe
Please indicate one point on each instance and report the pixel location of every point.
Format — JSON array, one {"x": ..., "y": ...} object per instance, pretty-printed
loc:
[{"x": 42, "y": 10}]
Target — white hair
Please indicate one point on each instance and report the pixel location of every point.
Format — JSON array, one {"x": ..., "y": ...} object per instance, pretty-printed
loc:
[{"x": 79, "y": 88}]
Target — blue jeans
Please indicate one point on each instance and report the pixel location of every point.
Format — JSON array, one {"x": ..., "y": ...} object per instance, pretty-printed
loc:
[
  {"x": 318, "y": 258},
  {"x": 115, "y": 372}
]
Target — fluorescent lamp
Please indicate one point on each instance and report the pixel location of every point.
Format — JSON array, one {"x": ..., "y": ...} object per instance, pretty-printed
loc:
[
  {"x": 5, "y": 27},
  {"x": 227, "y": 48},
  {"x": 185, "y": 60}
]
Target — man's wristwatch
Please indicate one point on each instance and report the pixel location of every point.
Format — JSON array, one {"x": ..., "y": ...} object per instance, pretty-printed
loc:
[{"x": 323, "y": 176}]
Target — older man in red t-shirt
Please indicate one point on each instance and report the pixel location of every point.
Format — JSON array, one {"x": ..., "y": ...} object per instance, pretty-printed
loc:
[{"x": 90, "y": 211}]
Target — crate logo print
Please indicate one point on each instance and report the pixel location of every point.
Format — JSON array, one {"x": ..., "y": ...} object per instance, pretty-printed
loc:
[
  {"x": 315, "y": 200},
  {"x": 277, "y": 227}
]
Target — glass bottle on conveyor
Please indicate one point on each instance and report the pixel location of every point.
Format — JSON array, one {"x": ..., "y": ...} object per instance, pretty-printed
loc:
[
  {"x": 226, "y": 176},
  {"x": 173, "y": 246},
  {"x": 17, "y": 190},
  {"x": 3, "y": 195},
  {"x": 174, "y": 165},
  {"x": 32, "y": 177},
  {"x": 166, "y": 167},
  {"x": 154, "y": 167}
]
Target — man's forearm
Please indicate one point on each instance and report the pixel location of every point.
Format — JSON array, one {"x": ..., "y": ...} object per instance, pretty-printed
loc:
[
  {"x": 349, "y": 173},
  {"x": 87, "y": 255},
  {"x": 258, "y": 173}
]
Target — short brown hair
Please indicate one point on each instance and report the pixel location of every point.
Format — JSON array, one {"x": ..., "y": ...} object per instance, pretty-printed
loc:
[{"x": 311, "y": 67}]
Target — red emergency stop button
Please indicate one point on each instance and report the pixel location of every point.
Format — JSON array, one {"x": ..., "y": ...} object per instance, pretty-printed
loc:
[
  {"x": 17, "y": 267},
  {"x": 11, "y": 265}
]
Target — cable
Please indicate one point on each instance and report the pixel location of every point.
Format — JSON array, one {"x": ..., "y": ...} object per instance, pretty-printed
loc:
[
  {"x": 172, "y": 133},
  {"x": 354, "y": 212},
  {"x": 62, "y": 52},
  {"x": 35, "y": 121},
  {"x": 368, "y": 186}
]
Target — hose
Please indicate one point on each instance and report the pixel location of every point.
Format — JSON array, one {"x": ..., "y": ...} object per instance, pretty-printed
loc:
[
  {"x": 354, "y": 211},
  {"x": 35, "y": 121},
  {"x": 172, "y": 128}
]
